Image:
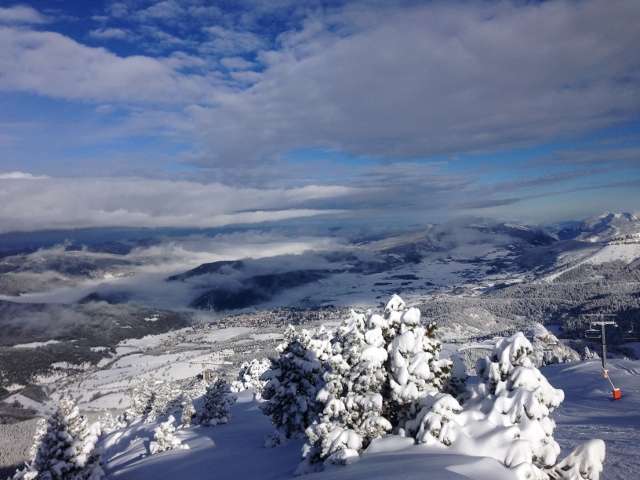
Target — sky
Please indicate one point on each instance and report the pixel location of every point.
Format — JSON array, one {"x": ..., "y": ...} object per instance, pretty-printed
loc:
[{"x": 194, "y": 113}]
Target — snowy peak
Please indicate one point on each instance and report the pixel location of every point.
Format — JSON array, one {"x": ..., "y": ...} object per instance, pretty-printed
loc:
[{"x": 603, "y": 228}]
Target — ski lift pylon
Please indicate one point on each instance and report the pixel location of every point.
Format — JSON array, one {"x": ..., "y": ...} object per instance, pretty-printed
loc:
[{"x": 616, "y": 393}]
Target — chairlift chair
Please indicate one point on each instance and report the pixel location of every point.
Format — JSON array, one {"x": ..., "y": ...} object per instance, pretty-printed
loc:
[{"x": 592, "y": 333}]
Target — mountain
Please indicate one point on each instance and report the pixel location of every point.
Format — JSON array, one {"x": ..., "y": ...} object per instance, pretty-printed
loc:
[{"x": 601, "y": 228}]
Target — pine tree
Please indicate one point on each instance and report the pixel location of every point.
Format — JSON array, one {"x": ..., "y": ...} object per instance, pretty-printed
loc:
[
  {"x": 216, "y": 407},
  {"x": 512, "y": 391},
  {"x": 66, "y": 450},
  {"x": 294, "y": 380},
  {"x": 151, "y": 399},
  {"x": 188, "y": 412},
  {"x": 352, "y": 413},
  {"x": 142, "y": 398},
  {"x": 109, "y": 423},
  {"x": 415, "y": 369},
  {"x": 506, "y": 415},
  {"x": 583, "y": 463},
  {"x": 164, "y": 438},
  {"x": 380, "y": 369},
  {"x": 250, "y": 376}
]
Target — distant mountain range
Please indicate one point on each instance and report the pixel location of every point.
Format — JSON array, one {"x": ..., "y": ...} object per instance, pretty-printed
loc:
[
  {"x": 460, "y": 257},
  {"x": 601, "y": 228},
  {"x": 438, "y": 258}
]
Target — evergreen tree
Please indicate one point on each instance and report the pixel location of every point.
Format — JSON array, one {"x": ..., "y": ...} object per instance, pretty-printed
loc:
[
  {"x": 415, "y": 369},
  {"x": 142, "y": 398},
  {"x": 66, "y": 450},
  {"x": 188, "y": 412},
  {"x": 583, "y": 463},
  {"x": 151, "y": 399},
  {"x": 352, "y": 401},
  {"x": 250, "y": 376},
  {"x": 293, "y": 381},
  {"x": 164, "y": 438},
  {"x": 508, "y": 405},
  {"x": 380, "y": 369},
  {"x": 217, "y": 402}
]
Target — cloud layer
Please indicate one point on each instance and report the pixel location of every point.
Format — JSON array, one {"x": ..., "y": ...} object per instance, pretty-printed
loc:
[
  {"x": 293, "y": 109},
  {"x": 403, "y": 82},
  {"x": 28, "y": 203}
]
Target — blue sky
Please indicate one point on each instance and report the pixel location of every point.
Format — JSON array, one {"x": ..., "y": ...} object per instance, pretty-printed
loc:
[{"x": 408, "y": 111}]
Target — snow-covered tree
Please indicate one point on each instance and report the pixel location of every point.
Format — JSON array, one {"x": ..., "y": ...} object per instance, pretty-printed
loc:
[
  {"x": 215, "y": 407},
  {"x": 505, "y": 415},
  {"x": 151, "y": 399},
  {"x": 438, "y": 421},
  {"x": 548, "y": 349},
  {"x": 142, "y": 397},
  {"x": 293, "y": 381},
  {"x": 250, "y": 376},
  {"x": 352, "y": 399},
  {"x": 379, "y": 370},
  {"x": 583, "y": 463},
  {"x": 415, "y": 369},
  {"x": 164, "y": 438},
  {"x": 109, "y": 423},
  {"x": 188, "y": 412},
  {"x": 66, "y": 450}
]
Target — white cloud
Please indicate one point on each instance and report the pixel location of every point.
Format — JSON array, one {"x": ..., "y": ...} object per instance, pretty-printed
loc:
[
  {"x": 20, "y": 176},
  {"x": 166, "y": 9},
  {"x": 50, "y": 203},
  {"x": 109, "y": 33},
  {"x": 51, "y": 64},
  {"x": 236, "y": 63},
  {"x": 437, "y": 78},
  {"x": 118, "y": 9},
  {"x": 227, "y": 41},
  {"x": 377, "y": 80},
  {"x": 21, "y": 14}
]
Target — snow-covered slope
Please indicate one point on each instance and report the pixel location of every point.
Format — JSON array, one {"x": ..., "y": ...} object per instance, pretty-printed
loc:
[
  {"x": 588, "y": 411},
  {"x": 599, "y": 254},
  {"x": 601, "y": 228},
  {"x": 235, "y": 451}
]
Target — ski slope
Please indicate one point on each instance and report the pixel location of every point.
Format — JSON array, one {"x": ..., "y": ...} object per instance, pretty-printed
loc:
[
  {"x": 623, "y": 252},
  {"x": 589, "y": 412},
  {"x": 235, "y": 451}
]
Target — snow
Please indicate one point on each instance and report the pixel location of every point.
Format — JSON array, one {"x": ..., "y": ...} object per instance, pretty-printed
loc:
[
  {"x": 36, "y": 344},
  {"x": 624, "y": 252},
  {"x": 235, "y": 451},
  {"x": 27, "y": 403},
  {"x": 589, "y": 412}
]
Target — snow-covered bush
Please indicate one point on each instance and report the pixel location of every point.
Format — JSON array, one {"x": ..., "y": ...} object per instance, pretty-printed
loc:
[
  {"x": 379, "y": 369},
  {"x": 188, "y": 412},
  {"x": 548, "y": 349},
  {"x": 215, "y": 407},
  {"x": 250, "y": 376},
  {"x": 458, "y": 376},
  {"x": 164, "y": 438},
  {"x": 109, "y": 423},
  {"x": 151, "y": 399},
  {"x": 505, "y": 415},
  {"x": 584, "y": 463},
  {"x": 293, "y": 381},
  {"x": 66, "y": 449}
]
